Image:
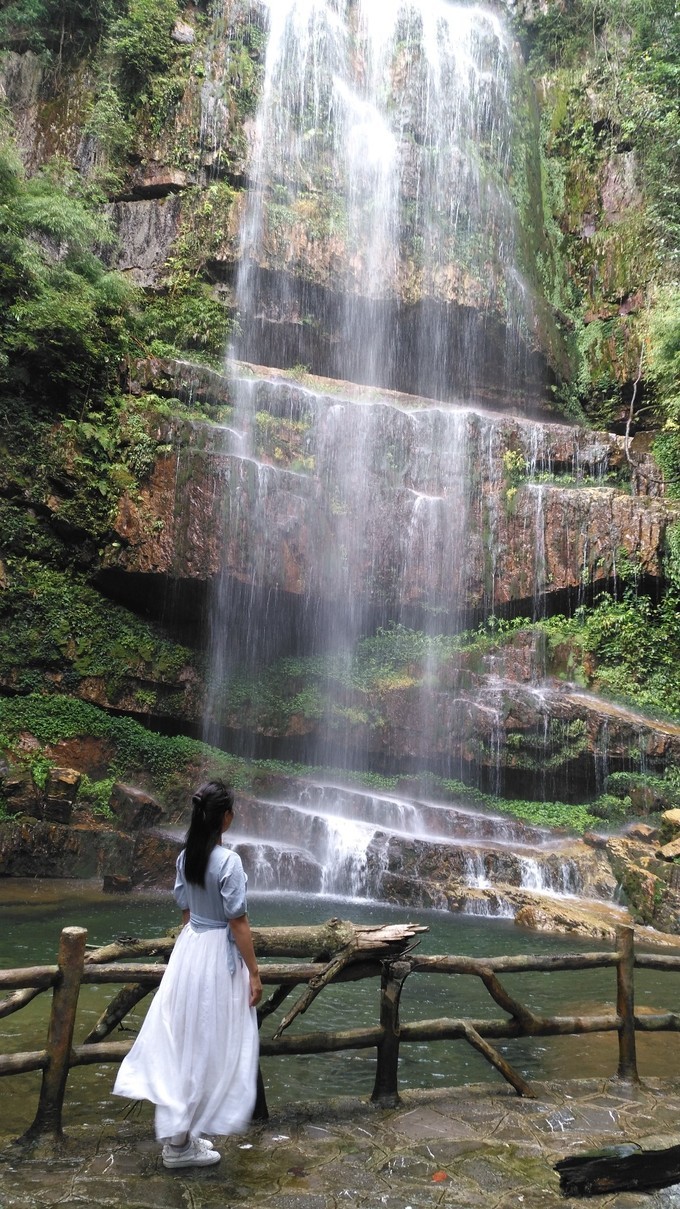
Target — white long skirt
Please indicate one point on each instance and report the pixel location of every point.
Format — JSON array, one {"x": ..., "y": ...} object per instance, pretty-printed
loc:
[{"x": 197, "y": 1051}]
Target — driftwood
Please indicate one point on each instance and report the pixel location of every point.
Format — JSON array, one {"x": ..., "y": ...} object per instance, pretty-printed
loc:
[
  {"x": 386, "y": 1085},
  {"x": 492, "y": 1055},
  {"x": 131, "y": 994},
  {"x": 19, "y": 1064},
  {"x": 18, "y": 1000},
  {"x": 390, "y": 940},
  {"x": 127, "y": 998},
  {"x": 519, "y": 963},
  {"x": 60, "y": 1034},
  {"x": 270, "y": 1005},
  {"x": 162, "y": 947},
  {"x": 320, "y": 941},
  {"x": 619, "y": 1169},
  {"x": 38, "y": 977}
]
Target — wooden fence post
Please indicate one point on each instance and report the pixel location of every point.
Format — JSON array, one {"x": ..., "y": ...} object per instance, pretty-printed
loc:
[
  {"x": 386, "y": 1086},
  {"x": 625, "y": 1004},
  {"x": 71, "y": 961}
]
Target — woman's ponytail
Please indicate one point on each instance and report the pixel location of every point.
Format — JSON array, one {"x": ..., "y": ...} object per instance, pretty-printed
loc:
[{"x": 208, "y": 807}]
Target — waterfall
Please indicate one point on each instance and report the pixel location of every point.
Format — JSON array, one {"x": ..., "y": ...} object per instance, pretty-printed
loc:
[
  {"x": 380, "y": 247},
  {"x": 540, "y": 566},
  {"x": 381, "y": 205},
  {"x": 350, "y": 843},
  {"x": 379, "y": 232},
  {"x": 550, "y": 877}
]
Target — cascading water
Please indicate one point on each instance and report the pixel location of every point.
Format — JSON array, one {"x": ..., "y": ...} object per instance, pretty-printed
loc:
[
  {"x": 380, "y": 232},
  {"x": 353, "y": 843},
  {"x": 379, "y": 246}
]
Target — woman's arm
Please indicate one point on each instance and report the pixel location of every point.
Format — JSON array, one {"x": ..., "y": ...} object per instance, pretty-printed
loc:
[
  {"x": 186, "y": 915},
  {"x": 240, "y": 930}
]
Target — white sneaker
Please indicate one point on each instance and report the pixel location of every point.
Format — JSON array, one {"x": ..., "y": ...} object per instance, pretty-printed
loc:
[{"x": 197, "y": 1153}]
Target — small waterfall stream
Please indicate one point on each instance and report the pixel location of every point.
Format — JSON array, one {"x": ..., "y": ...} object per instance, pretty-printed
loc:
[{"x": 351, "y": 843}]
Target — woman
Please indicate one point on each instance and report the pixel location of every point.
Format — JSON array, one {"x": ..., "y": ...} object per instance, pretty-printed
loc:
[{"x": 197, "y": 1051}]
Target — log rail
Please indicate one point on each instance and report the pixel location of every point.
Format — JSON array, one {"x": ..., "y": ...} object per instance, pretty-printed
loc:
[{"x": 341, "y": 952}]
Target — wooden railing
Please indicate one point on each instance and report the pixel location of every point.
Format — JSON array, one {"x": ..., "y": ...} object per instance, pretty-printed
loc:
[{"x": 342, "y": 953}]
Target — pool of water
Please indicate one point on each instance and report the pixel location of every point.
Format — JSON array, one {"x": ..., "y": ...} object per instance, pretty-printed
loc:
[{"x": 34, "y": 913}]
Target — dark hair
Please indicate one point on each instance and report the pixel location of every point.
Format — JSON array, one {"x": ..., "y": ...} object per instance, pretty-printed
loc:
[{"x": 209, "y": 804}]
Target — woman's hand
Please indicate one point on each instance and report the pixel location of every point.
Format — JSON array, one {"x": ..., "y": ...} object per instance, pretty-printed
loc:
[
  {"x": 240, "y": 930},
  {"x": 255, "y": 989}
]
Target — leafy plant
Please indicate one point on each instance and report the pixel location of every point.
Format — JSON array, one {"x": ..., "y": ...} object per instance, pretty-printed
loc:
[
  {"x": 65, "y": 319},
  {"x": 96, "y": 795},
  {"x": 59, "y": 28},
  {"x": 141, "y": 39},
  {"x": 52, "y": 622}
]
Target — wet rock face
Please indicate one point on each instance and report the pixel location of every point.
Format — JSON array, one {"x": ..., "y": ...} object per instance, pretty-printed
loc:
[
  {"x": 54, "y": 803},
  {"x": 61, "y": 791},
  {"x": 21, "y": 795},
  {"x": 649, "y": 879},
  {"x": 473, "y": 522},
  {"x": 21, "y": 77},
  {"x": 276, "y": 335},
  {"x": 405, "y": 867},
  {"x": 146, "y": 230},
  {"x": 154, "y": 858},
  {"x": 133, "y": 808},
  {"x": 272, "y": 868},
  {"x": 37, "y": 848},
  {"x": 548, "y": 733},
  {"x": 307, "y": 512}
]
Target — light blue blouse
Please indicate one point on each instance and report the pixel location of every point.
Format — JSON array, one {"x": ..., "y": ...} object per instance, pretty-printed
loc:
[{"x": 222, "y": 898}]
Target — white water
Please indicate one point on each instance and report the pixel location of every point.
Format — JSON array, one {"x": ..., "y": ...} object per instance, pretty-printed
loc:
[
  {"x": 380, "y": 169},
  {"x": 353, "y": 844},
  {"x": 380, "y": 237}
]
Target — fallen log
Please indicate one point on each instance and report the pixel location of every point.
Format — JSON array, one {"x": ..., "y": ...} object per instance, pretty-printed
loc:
[
  {"x": 131, "y": 947},
  {"x": 320, "y": 941},
  {"x": 127, "y": 998},
  {"x": 18, "y": 1000},
  {"x": 382, "y": 942},
  {"x": 624, "y": 1168}
]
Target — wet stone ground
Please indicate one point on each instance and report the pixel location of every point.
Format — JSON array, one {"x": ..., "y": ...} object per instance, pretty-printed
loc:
[{"x": 455, "y": 1149}]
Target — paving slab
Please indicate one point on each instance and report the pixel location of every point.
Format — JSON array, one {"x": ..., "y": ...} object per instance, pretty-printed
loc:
[{"x": 446, "y": 1149}]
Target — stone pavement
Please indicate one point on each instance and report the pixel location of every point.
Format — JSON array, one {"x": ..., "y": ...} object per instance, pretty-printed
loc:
[{"x": 450, "y": 1149}]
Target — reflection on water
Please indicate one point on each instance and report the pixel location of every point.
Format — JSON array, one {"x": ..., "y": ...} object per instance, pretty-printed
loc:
[{"x": 34, "y": 913}]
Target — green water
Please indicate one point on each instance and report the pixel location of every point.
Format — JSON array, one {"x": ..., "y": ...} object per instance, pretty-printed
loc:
[{"x": 35, "y": 911}]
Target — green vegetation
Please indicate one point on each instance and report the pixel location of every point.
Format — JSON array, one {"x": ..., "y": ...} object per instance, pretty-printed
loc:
[
  {"x": 283, "y": 441},
  {"x": 96, "y": 795},
  {"x": 53, "y": 624},
  {"x": 626, "y": 649},
  {"x": 64, "y": 317},
  {"x": 611, "y": 177},
  {"x": 664, "y": 373},
  {"x": 186, "y": 315},
  {"x": 53, "y": 718},
  {"x": 140, "y": 39},
  {"x": 54, "y": 28},
  {"x": 67, "y": 480},
  {"x": 171, "y": 764}
]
